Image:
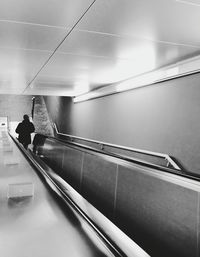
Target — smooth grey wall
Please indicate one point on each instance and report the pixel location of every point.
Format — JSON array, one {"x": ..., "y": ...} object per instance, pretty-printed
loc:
[{"x": 163, "y": 118}]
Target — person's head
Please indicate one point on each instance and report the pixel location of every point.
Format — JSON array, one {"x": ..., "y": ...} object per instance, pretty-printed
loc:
[{"x": 26, "y": 117}]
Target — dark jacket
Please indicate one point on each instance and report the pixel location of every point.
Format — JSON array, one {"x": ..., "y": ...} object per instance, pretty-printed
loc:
[{"x": 24, "y": 129}]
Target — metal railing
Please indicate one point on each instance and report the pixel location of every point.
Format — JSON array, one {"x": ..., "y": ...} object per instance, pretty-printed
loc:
[{"x": 102, "y": 145}]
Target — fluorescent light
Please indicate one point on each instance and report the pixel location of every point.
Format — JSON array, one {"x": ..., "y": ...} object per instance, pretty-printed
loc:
[
  {"x": 171, "y": 72},
  {"x": 85, "y": 97},
  {"x": 189, "y": 2},
  {"x": 179, "y": 69},
  {"x": 139, "y": 81}
]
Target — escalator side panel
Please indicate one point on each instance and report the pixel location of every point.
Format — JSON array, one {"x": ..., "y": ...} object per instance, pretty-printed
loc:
[
  {"x": 99, "y": 183},
  {"x": 72, "y": 167},
  {"x": 158, "y": 210},
  {"x": 159, "y": 215}
]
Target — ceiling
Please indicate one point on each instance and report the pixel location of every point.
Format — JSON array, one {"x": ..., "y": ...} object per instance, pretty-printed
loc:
[{"x": 70, "y": 47}]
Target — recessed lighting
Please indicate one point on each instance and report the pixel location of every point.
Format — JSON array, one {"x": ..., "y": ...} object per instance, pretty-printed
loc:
[
  {"x": 189, "y": 2},
  {"x": 179, "y": 69}
]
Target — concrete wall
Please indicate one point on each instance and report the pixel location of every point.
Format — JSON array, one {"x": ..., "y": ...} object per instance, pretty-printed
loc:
[
  {"x": 15, "y": 106},
  {"x": 162, "y": 118},
  {"x": 41, "y": 118}
]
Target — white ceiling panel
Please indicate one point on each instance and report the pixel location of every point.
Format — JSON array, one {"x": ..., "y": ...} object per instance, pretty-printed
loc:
[
  {"x": 63, "y": 13},
  {"x": 108, "y": 69},
  {"x": 118, "y": 47},
  {"x": 18, "y": 66},
  {"x": 27, "y": 36},
  {"x": 29, "y": 33},
  {"x": 97, "y": 59},
  {"x": 60, "y": 64},
  {"x": 158, "y": 20},
  {"x": 41, "y": 52},
  {"x": 44, "y": 89},
  {"x": 27, "y": 61}
]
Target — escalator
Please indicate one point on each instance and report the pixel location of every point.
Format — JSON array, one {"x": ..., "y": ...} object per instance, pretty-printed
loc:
[
  {"x": 157, "y": 207},
  {"x": 39, "y": 214}
]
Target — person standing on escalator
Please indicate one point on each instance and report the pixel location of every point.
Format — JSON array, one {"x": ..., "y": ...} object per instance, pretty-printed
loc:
[{"x": 24, "y": 129}]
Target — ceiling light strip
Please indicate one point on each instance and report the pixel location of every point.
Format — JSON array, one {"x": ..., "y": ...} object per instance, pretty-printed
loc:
[
  {"x": 33, "y": 24},
  {"x": 129, "y": 37},
  {"x": 178, "y": 70},
  {"x": 188, "y": 2}
]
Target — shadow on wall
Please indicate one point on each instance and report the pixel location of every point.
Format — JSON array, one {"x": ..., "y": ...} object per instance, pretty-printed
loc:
[{"x": 60, "y": 111}]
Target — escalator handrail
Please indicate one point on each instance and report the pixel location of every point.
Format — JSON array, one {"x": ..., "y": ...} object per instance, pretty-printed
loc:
[
  {"x": 115, "y": 155},
  {"x": 127, "y": 160},
  {"x": 166, "y": 157}
]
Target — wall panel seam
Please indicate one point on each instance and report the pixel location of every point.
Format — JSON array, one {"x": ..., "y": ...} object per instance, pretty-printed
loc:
[
  {"x": 115, "y": 193},
  {"x": 81, "y": 175}
]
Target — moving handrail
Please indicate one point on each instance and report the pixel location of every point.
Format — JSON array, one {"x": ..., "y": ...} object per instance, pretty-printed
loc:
[
  {"x": 131, "y": 149},
  {"x": 113, "y": 237}
]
